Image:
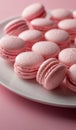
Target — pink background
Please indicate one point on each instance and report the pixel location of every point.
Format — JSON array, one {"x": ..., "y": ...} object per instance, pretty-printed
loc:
[{"x": 17, "y": 113}]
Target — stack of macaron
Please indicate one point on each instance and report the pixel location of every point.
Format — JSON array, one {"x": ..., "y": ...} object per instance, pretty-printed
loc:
[
  {"x": 10, "y": 47},
  {"x": 42, "y": 46}
]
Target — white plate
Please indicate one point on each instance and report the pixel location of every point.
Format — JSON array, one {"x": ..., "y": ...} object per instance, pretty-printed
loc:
[{"x": 30, "y": 89}]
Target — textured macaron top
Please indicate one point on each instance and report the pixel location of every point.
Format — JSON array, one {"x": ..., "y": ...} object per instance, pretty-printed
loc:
[
  {"x": 57, "y": 35},
  {"x": 68, "y": 56},
  {"x": 42, "y": 23},
  {"x": 72, "y": 73},
  {"x": 29, "y": 59},
  {"x": 11, "y": 43},
  {"x": 31, "y": 35},
  {"x": 33, "y": 11},
  {"x": 46, "y": 48},
  {"x": 68, "y": 24},
  {"x": 61, "y": 13}
]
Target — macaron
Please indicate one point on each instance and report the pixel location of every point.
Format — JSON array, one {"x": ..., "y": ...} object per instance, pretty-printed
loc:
[
  {"x": 15, "y": 27},
  {"x": 68, "y": 56},
  {"x": 58, "y": 36},
  {"x": 74, "y": 14},
  {"x": 74, "y": 42},
  {"x": 46, "y": 49},
  {"x": 27, "y": 64},
  {"x": 69, "y": 25},
  {"x": 31, "y": 37},
  {"x": 33, "y": 11},
  {"x": 51, "y": 74},
  {"x": 60, "y": 14},
  {"x": 71, "y": 78},
  {"x": 42, "y": 24},
  {"x": 10, "y": 47}
]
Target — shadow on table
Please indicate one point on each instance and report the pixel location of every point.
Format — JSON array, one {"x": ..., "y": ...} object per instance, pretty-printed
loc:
[{"x": 68, "y": 113}]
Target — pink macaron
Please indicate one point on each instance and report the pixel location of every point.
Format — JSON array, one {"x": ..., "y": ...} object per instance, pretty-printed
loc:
[
  {"x": 33, "y": 11},
  {"x": 69, "y": 25},
  {"x": 60, "y": 14},
  {"x": 42, "y": 24},
  {"x": 30, "y": 37},
  {"x": 27, "y": 64},
  {"x": 58, "y": 36},
  {"x": 71, "y": 78},
  {"x": 74, "y": 14},
  {"x": 46, "y": 49},
  {"x": 51, "y": 73},
  {"x": 68, "y": 56},
  {"x": 74, "y": 42},
  {"x": 10, "y": 47},
  {"x": 15, "y": 27}
]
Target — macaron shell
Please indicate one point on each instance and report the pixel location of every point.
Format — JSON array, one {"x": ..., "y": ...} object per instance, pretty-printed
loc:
[
  {"x": 33, "y": 11},
  {"x": 60, "y": 14},
  {"x": 55, "y": 77},
  {"x": 31, "y": 59},
  {"x": 46, "y": 49},
  {"x": 17, "y": 31},
  {"x": 70, "y": 85},
  {"x": 68, "y": 24},
  {"x": 25, "y": 76},
  {"x": 14, "y": 23},
  {"x": 44, "y": 67},
  {"x": 15, "y": 27},
  {"x": 68, "y": 56},
  {"x": 42, "y": 24},
  {"x": 33, "y": 37},
  {"x": 72, "y": 73},
  {"x": 57, "y": 36},
  {"x": 11, "y": 43}
]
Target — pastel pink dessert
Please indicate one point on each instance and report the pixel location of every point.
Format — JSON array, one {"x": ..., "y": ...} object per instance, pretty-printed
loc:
[
  {"x": 75, "y": 42},
  {"x": 60, "y": 37},
  {"x": 10, "y": 47},
  {"x": 68, "y": 56},
  {"x": 46, "y": 49},
  {"x": 74, "y": 14},
  {"x": 31, "y": 37},
  {"x": 60, "y": 14},
  {"x": 42, "y": 24},
  {"x": 71, "y": 78},
  {"x": 33, "y": 11},
  {"x": 27, "y": 64},
  {"x": 15, "y": 27},
  {"x": 69, "y": 25},
  {"x": 51, "y": 74}
]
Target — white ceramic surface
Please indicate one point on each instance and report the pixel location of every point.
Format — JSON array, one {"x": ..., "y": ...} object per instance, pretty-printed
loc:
[{"x": 30, "y": 89}]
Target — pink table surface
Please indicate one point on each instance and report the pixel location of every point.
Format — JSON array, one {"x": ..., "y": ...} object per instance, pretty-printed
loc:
[{"x": 17, "y": 113}]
